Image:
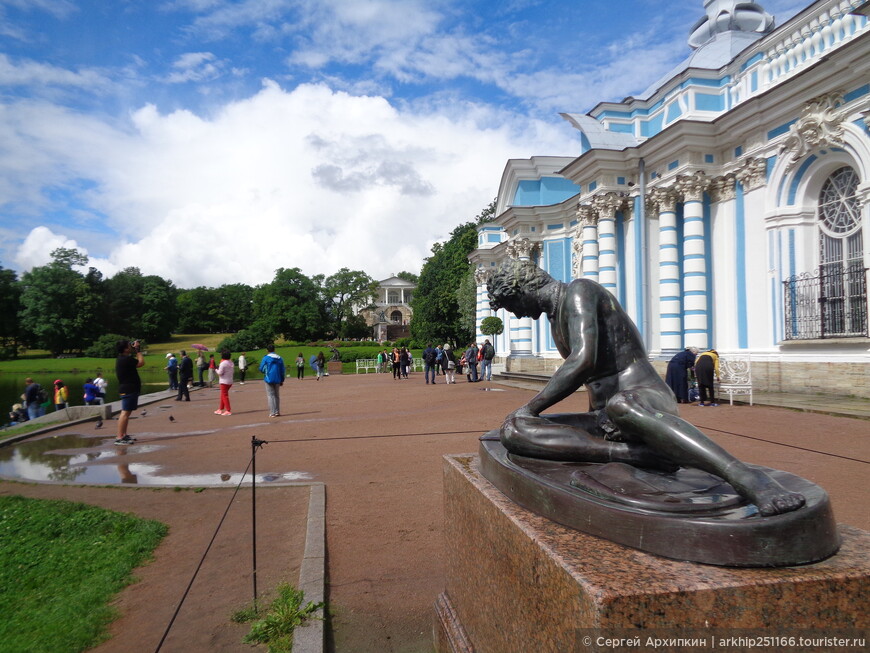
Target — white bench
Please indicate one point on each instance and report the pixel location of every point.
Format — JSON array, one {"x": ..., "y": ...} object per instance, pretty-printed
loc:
[
  {"x": 366, "y": 364},
  {"x": 735, "y": 377}
]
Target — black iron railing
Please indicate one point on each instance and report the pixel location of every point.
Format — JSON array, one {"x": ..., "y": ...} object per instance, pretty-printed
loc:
[{"x": 830, "y": 302}]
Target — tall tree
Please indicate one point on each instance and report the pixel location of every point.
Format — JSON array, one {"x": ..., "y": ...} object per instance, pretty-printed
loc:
[
  {"x": 10, "y": 304},
  {"x": 291, "y": 306},
  {"x": 345, "y": 293},
  {"x": 57, "y": 305},
  {"x": 437, "y": 314}
]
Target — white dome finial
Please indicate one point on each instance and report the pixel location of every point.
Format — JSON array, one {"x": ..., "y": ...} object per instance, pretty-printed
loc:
[{"x": 730, "y": 16}]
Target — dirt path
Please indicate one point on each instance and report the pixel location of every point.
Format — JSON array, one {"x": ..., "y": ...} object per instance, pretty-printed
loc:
[{"x": 377, "y": 445}]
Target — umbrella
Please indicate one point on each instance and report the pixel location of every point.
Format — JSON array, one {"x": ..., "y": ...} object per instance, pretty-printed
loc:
[{"x": 199, "y": 347}]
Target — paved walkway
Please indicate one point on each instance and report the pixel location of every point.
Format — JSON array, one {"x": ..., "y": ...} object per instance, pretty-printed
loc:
[{"x": 843, "y": 406}]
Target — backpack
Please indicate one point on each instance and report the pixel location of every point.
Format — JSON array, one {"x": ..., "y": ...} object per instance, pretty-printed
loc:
[
  {"x": 429, "y": 356},
  {"x": 41, "y": 395}
]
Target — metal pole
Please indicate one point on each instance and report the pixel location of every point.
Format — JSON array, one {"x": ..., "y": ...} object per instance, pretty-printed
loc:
[{"x": 254, "y": 445}]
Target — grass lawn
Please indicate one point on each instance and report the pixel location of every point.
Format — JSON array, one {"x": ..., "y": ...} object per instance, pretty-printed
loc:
[
  {"x": 40, "y": 362},
  {"x": 60, "y": 565}
]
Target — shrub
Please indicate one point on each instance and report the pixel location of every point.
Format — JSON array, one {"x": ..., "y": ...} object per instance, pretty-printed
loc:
[{"x": 257, "y": 336}]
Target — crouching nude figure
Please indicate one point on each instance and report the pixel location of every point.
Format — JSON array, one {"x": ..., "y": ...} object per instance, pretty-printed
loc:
[{"x": 634, "y": 417}]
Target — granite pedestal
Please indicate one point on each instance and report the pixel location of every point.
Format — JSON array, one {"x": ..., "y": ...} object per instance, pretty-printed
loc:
[
  {"x": 520, "y": 582},
  {"x": 333, "y": 367}
]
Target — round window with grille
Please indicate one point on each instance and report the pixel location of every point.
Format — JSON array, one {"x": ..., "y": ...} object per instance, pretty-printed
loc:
[{"x": 838, "y": 206}]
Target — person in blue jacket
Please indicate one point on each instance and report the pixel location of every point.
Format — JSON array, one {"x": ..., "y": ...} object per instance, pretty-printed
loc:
[{"x": 272, "y": 367}]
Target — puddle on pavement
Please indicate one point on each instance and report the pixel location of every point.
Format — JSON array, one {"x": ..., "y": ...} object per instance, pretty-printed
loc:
[{"x": 86, "y": 460}]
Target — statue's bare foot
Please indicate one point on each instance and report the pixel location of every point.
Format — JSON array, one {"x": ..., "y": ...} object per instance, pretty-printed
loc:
[{"x": 769, "y": 497}]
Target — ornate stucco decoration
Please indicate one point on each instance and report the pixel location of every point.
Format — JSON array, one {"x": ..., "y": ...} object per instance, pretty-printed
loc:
[
  {"x": 482, "y": 275},
  {"x": 662, "y": 200},
  {"x": 577, "y": 258},
  {"x": 692, "y": 187},
  {"x": 521, "y": 248},
  {"x": 723, "y": 188},
  {"x": 608, "y": 204},
  {"x": 820, "y": 126},
  {"x": 587, "y": 216},
  {"x": 752, "y": 173}
]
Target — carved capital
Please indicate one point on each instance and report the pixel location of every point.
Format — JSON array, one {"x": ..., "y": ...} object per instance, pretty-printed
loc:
[
  {"x": 482, "y": 275},
  {"x": 608, "y": 204},
  {"x": 820, "y": 126},
  {"x": 752, "y": 173},
  {"x": 587, "y": 216},
  {"x": 663, "y": 199},
  {"x": 521, "y": 248},
  {"x": 692, "y": 187},
  {"x": 723, "y": 188}
]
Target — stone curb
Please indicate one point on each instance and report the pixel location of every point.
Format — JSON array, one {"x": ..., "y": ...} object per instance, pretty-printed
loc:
[
  {"x": 79, "y": 414},
  {"x": 309, "y": 637}
]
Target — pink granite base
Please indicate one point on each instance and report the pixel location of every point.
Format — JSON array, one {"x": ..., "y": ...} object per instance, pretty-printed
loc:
[{"x": 519, "y": 582}]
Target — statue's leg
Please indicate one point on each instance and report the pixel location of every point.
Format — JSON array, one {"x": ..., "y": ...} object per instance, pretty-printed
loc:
[
  {"x": 572, "y": 438},
  {"x": 636, "y": 413}
]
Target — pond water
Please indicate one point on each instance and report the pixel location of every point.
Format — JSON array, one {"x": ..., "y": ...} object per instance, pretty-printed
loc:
[{"x": 97, "y": 461}]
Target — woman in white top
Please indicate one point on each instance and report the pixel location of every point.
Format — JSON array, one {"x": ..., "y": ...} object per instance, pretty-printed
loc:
[{"x": 225, "y": 376}]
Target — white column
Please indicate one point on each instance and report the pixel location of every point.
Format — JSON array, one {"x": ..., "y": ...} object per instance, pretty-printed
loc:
[
  {"x": 481, "y": 276},
  {"x": 607, "y": 241},
  {"x": 589, "y": 235},
  {"x": 521, "y": 328},
  {"x": 670, "y": 300},
  {"x": 696, "y": 312}
]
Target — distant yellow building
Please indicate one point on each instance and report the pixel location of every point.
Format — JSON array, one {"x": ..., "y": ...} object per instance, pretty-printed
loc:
[{"x": 390, "y": 315}]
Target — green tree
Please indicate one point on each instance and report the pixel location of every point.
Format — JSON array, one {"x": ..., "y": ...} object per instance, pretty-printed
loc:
[
  {"x": 491, "y": 326},
  {"x": 199, "y": 310},
  {"x": 144, "y": 306},
  {"x": 57, "y": 304},
  {"x": 291, "y": 306},
  {"x": 408, "y": 276},
  {"x": 345, "y": 293},
  {"x": 437, "y": 315},
  {"x": 10, "y": 304}
]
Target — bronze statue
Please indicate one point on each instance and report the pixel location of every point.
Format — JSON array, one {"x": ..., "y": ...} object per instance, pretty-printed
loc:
[{"x": 631, "y": 470}]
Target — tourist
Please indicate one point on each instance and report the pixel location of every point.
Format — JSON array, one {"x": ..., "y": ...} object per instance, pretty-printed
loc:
[
  {"x": 101, "y": 384},
  {"x": 34, "y": 398},
  {"x": 127, "y": 366},
  {"x": 677, "y": 375},
  {"x": 201, "y": 367},
  {"x": 225, "y": 376},
  {"x": 404, "y": 362},
  {"x": 243, "y": 368},
  {"x": 90, "y": 393},
  {"x": 487, "y": 353},
  {"x": 380, "y": 362},
  {"x": 471, "y": 360},
  {"x": 272, "y": 367},
  {"x": 448, "y": 364},
  {"x": 172, "y": 370},
  {"x": 395, "y": 361},
  {"x": 212, "y": 371},
  {"x": 706, "y": 368},
  {"x": 185, "y": 376},
  {"x": 61, "y": 395},
  {"x": 321, "y": 365},
  {"x": 430, "y": 356},
  {"x": 300, "y": 366},
  {"x": 18, "y": 414}
]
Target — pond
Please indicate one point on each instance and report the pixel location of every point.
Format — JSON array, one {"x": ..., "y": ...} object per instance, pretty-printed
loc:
[{"x": 93, "y": 460}]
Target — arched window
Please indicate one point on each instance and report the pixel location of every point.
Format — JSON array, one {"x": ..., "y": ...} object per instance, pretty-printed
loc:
[
  {"x": 841, "y": 256},
  {"x": 396, "y": 317}
]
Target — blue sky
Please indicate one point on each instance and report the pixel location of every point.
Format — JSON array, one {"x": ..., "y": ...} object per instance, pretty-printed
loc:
[{"x": 213, "y": 141}]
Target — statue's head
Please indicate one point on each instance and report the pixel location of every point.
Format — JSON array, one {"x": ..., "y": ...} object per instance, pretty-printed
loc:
[{"x": 515, "y": 286}]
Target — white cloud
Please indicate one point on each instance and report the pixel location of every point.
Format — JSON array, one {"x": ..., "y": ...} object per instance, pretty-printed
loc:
[
  {"x": 40, "y": 243},
  {"x": 311, "y": 178},
  {"x": 30, "y": 73},
  {"x": 195, "y": 67}
]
